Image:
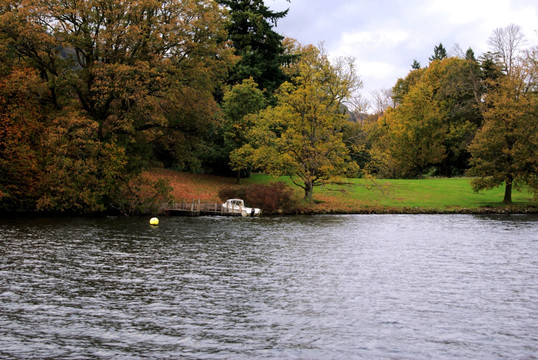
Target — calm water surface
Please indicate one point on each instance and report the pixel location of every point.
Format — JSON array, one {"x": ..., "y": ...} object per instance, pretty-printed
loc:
[{"x": 322, "y": 287}]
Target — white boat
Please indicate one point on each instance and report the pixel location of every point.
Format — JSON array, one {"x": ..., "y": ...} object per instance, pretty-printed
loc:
[{"x": 237, "y": 206}]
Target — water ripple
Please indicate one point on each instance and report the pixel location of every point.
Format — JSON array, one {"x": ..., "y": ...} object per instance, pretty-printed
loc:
[{"x": 323, "y": 287}]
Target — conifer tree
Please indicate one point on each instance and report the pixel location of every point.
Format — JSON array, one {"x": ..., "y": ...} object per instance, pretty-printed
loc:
[
  {"x": 262, "y": 54},
  {"x": 439, "y": 53}
]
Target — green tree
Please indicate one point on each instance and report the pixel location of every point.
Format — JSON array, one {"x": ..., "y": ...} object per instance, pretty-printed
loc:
[
  {"x": 439, "y": 53},
  {"x": 504, "y": 150},
  {"x": 460, "y": 103},
  {"x": 403, "y": 85},
  {"x": 302, "y": 136},
  {"x": 469, "y": 55},
  {"x": 239, "y": 101},
  {"x": 259, "y": 46}
]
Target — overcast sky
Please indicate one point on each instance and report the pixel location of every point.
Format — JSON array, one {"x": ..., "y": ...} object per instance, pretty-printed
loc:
[{"x": 384, "y": 36}]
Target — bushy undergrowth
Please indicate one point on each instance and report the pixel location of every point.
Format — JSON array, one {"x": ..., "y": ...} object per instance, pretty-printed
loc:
[
  {"x": 272, "y": 198},
  {"x": 142, "y": 196}
]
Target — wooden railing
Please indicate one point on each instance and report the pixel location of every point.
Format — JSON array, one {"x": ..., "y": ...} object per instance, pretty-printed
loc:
[{"x": 196, "y": 207}]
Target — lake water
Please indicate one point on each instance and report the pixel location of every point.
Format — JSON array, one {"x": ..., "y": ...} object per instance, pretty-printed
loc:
[{"x": 305, "y": 287}]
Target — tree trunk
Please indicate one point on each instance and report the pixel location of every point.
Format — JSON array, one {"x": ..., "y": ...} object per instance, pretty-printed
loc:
[
  {"x": 308, "y": 191},
  {"x": 508, "y": 191}
]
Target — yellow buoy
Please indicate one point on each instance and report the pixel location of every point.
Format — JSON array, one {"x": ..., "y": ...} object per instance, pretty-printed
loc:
[{"x": 154, "y": 221}]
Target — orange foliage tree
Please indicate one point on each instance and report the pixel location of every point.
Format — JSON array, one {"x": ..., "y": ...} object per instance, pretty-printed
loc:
[
  {"x": 118, "y": 79},
  {"x": 20, "y": 133}
]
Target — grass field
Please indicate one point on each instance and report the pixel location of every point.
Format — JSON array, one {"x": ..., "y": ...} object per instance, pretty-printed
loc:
[{"x": 362, "y": 195}]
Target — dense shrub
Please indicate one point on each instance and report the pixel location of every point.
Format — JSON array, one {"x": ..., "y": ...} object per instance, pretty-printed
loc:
[
  {"x": 271, "y": 198},
  {"x": 143, "y": 196}
]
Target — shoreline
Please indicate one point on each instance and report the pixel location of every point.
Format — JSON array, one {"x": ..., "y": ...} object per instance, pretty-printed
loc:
[
  {"x": 424, "y": 211},
  {"x": 444, "y": 196},
  {"x": 515, "y": 210}
]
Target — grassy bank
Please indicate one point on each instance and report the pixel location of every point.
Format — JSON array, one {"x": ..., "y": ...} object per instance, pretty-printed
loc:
[{"x": 436, "y": 195}]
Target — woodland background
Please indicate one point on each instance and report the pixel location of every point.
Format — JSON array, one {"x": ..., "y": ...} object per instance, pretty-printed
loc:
[{"x": 95, "y": 92}]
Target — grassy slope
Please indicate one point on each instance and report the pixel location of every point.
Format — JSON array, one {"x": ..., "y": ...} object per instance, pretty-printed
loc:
[
  {"x": 193, "y": 186},
  {"x": 360, "y": 195}
]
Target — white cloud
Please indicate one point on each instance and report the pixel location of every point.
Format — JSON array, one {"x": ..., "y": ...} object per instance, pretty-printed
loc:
[
  {"x": 364, "y": 41},
  {"x": 386, "y": 35},
  {"x": 457, "y": 12}
]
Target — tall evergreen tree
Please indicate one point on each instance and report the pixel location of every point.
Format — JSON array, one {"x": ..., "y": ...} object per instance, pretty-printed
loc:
[
  {"x": 469, "y": 55},
  {"x": 262, "y": 54},
  {"x": 439, "y": 53}
]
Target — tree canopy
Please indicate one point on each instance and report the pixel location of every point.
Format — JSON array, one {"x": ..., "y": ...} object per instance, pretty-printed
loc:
[
  {"x": 436, "y": 116},
  {"x": 239, "y": 102},
  {"x": 504, "y": 149},
  {"x": 93, "y": 92},
  {"x": 439, "y": 53},
  {"x": 116, "y": 84},
  {"x": 462, "y": 115},
  {"x": 301, "y": 136}
]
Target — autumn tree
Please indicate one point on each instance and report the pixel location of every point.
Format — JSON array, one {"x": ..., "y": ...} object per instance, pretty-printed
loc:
[
  {"x": 21, "y": 128},
  {"x": 138, "y": 75},
  {"x": 81, "y": 174},
  {"x": 301, "y": 137},
  {"x": 434, "y": 117},
  {"x": 115, "y": 58},
  {"x": 411, "y": 135},
  {"x": 504, "y": 150}
]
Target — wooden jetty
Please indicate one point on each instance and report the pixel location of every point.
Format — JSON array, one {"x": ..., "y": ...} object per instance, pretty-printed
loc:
[{"x": 197, "y": 208}]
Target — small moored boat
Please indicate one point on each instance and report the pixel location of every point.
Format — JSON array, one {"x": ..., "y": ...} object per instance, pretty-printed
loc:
[{"x": 237, "y": 206}]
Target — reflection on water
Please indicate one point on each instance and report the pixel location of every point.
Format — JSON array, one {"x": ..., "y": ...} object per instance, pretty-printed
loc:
[{"x": 356, "y": 286}]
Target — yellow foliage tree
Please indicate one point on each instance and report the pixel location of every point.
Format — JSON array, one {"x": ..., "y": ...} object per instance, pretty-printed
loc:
[
  {"x": 301, "y": 137},
  {"x": 413, "y": 133},
  {"x": 429, "y": 129}
]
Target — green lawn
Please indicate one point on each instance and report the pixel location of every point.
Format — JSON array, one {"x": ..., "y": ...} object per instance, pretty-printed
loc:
[{"x": 433, "y": 194}]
